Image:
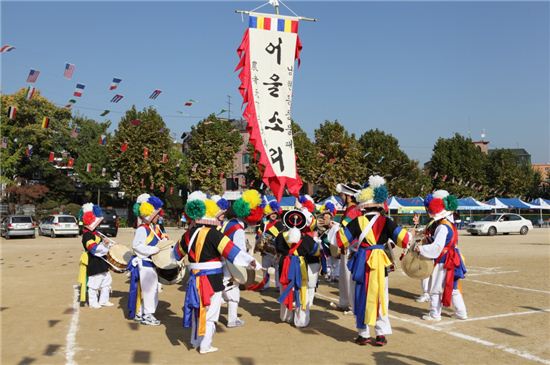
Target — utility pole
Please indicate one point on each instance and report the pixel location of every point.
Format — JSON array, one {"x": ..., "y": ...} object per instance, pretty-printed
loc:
[{"x": 228, "y": 107}]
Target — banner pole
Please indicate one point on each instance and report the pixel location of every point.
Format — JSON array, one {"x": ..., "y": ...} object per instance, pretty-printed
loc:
[{"x": 299, "y": 17}]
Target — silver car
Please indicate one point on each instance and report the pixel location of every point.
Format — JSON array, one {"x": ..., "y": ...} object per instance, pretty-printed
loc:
[
  {"x": 17, "y": 225},
  {"x": 500, "y": 223},
  {"x": 58, "y": 225}
]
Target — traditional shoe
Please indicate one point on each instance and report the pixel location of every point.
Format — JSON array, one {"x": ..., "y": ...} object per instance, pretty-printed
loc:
[
  {"x": 238, "y": 323},
  {"x": 95, "y": 306},
  {"x": 211, "y": 349},
  {"x": 423, "y": 298},
  {"x": 428, "y": 317},
  {"x": 380, "y": 341},
  {"x": 137, "y": 318},
  {"x": 363, "y": 341},
  {"x": 108, "y": 304},
  {"x": 461, "y": 317},
  {"x": 150, "y": 320}
]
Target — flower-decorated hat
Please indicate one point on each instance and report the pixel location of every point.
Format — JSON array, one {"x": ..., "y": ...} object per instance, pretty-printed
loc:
[
  {"x": 328, "y": 208},
  {"x": 91, "y": 215},
  {"x": 147, "y": 207},
  {"x": 201, "y": 209},
  {"x": 249, "y": 206},
  {"x": 307, "y": 202},
  {"x": 440, "y": 204},
  {"x": 222, "y": 203},
  {"x": 374, "y": 194}
]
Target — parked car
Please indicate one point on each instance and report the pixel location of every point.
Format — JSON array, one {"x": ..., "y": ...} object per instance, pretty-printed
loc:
[
  {"x": 58, "y": 225},
  {"x": 109, "y": 224},
  {"x": 500, "y": 223},
  {"x": 17, "y": 225}
]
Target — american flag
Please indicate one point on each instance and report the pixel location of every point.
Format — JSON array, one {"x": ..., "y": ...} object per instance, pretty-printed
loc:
[
  {"x": 69, "y": 70},
  {"x": 115, "y": 83},
  {"x": 33, "y": 75},
  {"x": 79, "y": 90},
  {"x": 116, "y": 98},
  {"x": 6, "y": 48},
  {"x": 155, "y": 94}
]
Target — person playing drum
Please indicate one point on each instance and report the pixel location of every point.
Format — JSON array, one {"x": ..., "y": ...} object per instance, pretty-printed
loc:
[
  {"x": 449, "y": 265},
  {"x": 143, "y": 296},
  {"x": 205, "y": 246},
  {"x": 369, "y": 264},
  {"x": 237, "y": 216},
  {"x": 96, "y": 268},
  {"x": 297, "y": 279},
  {"x": 268, "y": 230}
]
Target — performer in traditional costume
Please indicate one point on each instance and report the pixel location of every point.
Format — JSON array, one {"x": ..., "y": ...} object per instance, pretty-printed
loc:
[
  {"x": 369, "y": 264},
  {"x": 345, "y": 292},
  {"x": 143, "y": 296},
  {"x": 205, "y": 246},
  {"x": 298, "y": 279},
  {"x": 94, "y": 270},
  {"x": 267, "y": 231},
  {"x": 449, "y": 265},
  {"x": 244, "y": 210},
  {"x": 324, "y": 222}
]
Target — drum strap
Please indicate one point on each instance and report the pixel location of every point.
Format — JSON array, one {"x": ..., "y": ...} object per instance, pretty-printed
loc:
[
  {"x": 192, "y": 240},
  {"x": 364, "y": 233}
]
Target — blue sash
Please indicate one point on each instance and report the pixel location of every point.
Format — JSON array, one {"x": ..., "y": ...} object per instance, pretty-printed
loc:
[{"x": 192, "y": 302}]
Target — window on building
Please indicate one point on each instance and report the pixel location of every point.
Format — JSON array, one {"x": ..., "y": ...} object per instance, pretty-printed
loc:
[
  {"x": 246, "y": 158},
  {"x": 232, "y": 184}
]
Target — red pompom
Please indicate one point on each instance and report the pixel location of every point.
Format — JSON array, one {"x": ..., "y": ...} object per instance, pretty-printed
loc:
[
  {"x": 436, "y": 206},
  {"x": 88, "y": 218},
  {"x": 308, "y": 204},
  {"x": 255, "y": 215},
  {"x": 161, "y": 212}
]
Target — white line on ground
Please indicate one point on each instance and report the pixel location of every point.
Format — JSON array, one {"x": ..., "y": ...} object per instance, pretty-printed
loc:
[
  {"x": 510, "y": 350},
  {"x": 491, "y": 273},
  {"x": 509, "y": 286},
  {"x": 491, "y": 317},
  {"x": 73, "y": 328}
]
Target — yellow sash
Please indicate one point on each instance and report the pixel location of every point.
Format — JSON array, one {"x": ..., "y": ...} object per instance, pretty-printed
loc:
[
  {"x": 82, "y": 277},
  {"x": 199, "y": 244},
  {"x": 376, "y": 293}
]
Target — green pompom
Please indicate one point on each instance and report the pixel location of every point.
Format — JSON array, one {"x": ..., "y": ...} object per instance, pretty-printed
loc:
[
  {"x": 451, "y": 203},
  {"x": 241, "y": 208},
  {"x": 195, "y": 209},
  {"x": 135, "y": 209}
]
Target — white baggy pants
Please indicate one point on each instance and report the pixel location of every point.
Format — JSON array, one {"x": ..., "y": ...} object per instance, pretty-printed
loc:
[
  {"x": 148, "y": 280},
  {"x": 345, "y": 295},
  {"x": 231, "y": 296},
  {"x": 102, "y": 283},
  {"x": 301, "y": 316},
  {"x": 382, "y": 326},
  {"x": 436, "y": 294},
  {"x": 212, "y": 316}
]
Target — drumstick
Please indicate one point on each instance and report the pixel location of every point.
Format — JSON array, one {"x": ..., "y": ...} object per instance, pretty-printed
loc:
[{"x": 106, "y": 238}]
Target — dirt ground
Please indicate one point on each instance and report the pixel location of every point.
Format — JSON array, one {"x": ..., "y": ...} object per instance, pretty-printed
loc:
[{"x": 507, "y": 293}]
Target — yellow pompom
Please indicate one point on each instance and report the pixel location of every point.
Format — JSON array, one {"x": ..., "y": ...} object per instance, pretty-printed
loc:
[
  {"x": 211, "y": 208},
  {"x": 267, "y": 210},
  {"x": 146, "y": 209},
  {"x": 365, "y": 195},
  {"x": 252, "y": 197}
]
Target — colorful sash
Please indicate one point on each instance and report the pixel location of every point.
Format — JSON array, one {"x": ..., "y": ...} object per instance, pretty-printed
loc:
[
  {"x": 83, "y": 276},
  {"x": 199, "y": 291},
  {"x": 453, "y": 264},
  {"x": 294, "y": 279}
]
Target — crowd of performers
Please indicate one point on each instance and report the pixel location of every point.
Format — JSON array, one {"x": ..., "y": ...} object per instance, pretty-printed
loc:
[{"x": 298, "y": 246}]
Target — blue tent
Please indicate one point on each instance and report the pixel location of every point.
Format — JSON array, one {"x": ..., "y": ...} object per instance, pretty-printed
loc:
[
  {"x": 407, "y": 205},
  {"x": 470, "y": 203},
  {"x": 511, "y": 203},
  {"x": 541, "y": 203}
]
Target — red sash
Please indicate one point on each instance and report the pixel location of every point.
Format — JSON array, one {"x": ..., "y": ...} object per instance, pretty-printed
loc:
[
  {"x": 451, "y": 262},
  {"x": 289, "y": 300}
]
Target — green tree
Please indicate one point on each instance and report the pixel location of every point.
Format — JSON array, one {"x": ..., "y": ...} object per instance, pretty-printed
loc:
[
  {"x": 506, "y": 175},
  {"x": 212, "y": 148},
  {"x": 459, "y": 167},
  {"x": 339, "y": 157},
  {"x": 307, "y": 156},
  {"x": 381, "y": 155},
  {"x": 137, "y": 131}
]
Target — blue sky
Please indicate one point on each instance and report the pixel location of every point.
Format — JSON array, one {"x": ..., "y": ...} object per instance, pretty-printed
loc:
[{"x": 417, "y": 70}]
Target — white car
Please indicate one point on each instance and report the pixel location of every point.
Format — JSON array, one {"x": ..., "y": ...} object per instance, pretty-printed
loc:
[
  {"x": 58, "y": 225},
  {"x": 501, "y": 223}
]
